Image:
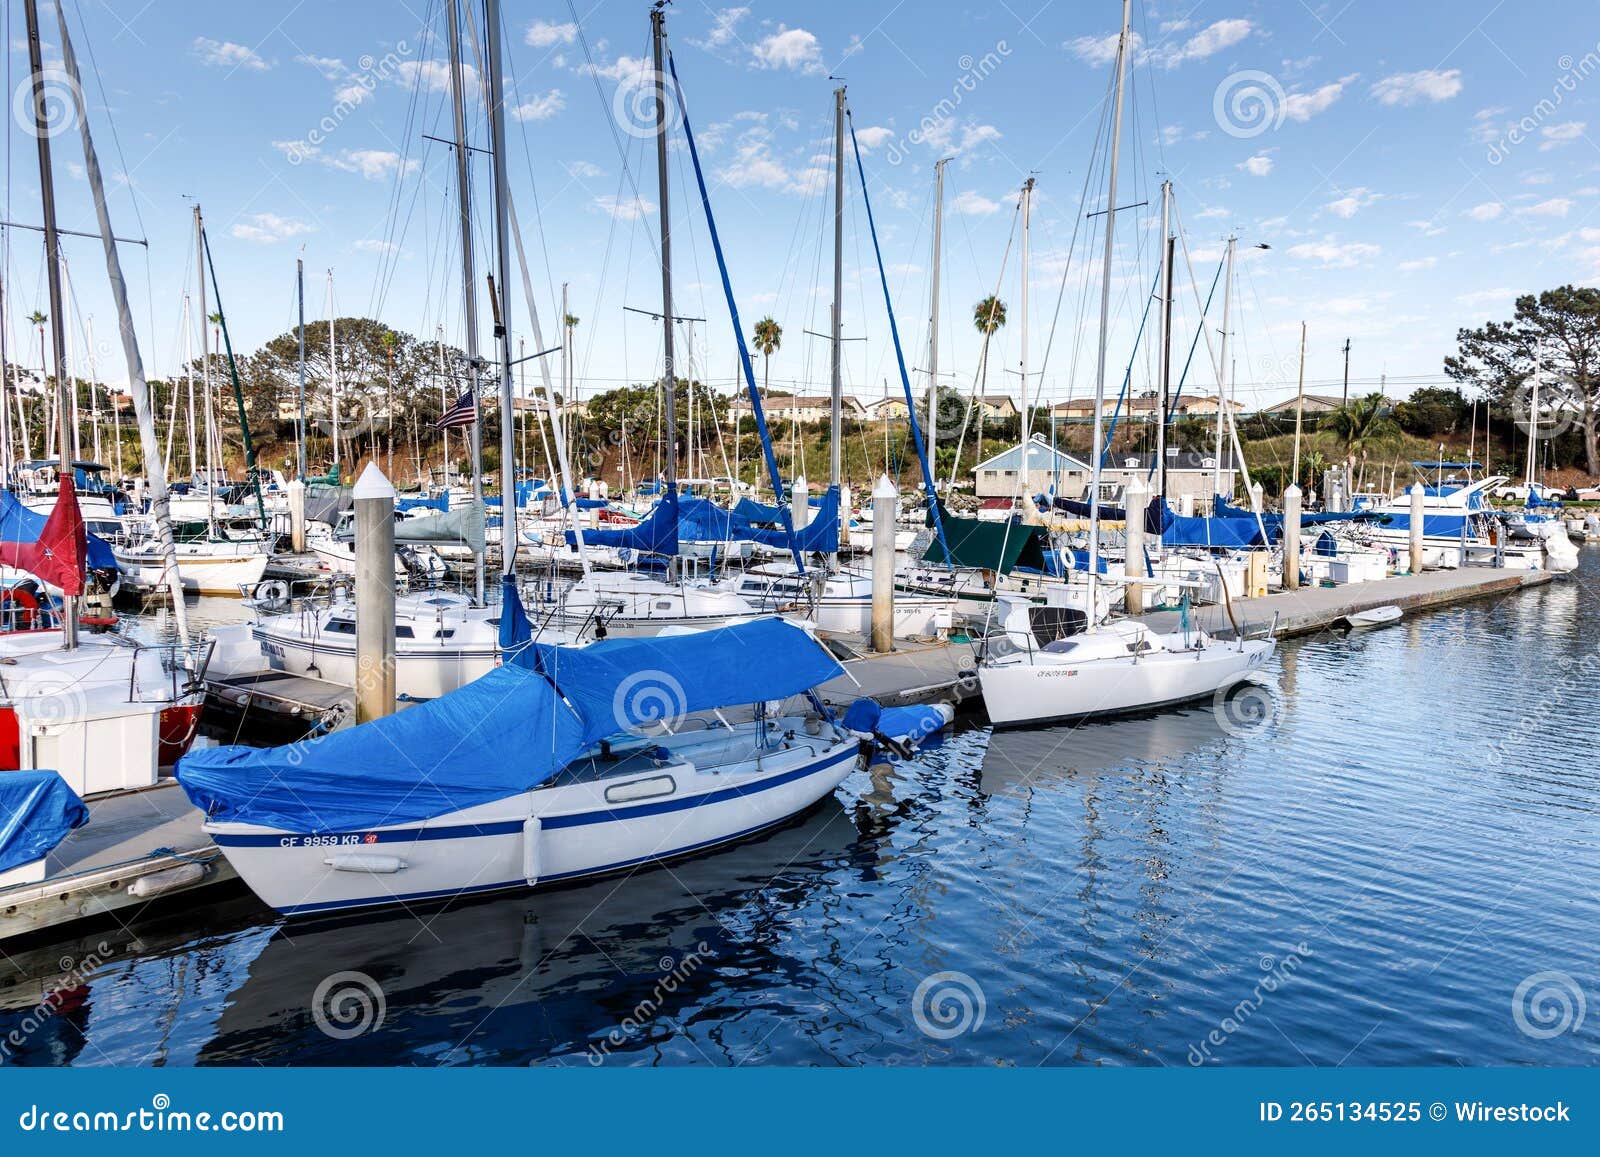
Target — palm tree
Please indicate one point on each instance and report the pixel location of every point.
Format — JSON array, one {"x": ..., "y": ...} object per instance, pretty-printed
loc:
[
  {"x": 987, "y": 316},
  {"x": 1363, "y": 423},
  {"x": 769, "y": 339}
]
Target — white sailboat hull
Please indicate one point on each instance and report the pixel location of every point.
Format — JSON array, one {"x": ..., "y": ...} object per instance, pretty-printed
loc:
[
  {"x": 200, "y": 573},
  {"x": 1045, "y": 687},
  {"x": 548, "y": 835}
]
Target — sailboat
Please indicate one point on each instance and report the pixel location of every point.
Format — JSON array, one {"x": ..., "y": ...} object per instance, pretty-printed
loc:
[
  {"x": 105, "y": 711},
  {"x": 1041, "y": 671},
  {"x": 564, "y": 762}
]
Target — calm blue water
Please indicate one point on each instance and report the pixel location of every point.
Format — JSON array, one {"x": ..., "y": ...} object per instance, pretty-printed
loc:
[{"x": 1365, "y": 877}]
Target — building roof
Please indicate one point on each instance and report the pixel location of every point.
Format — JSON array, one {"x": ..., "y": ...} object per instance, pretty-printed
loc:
[
  {"x": 1041, "y": 456},
  {"x": 1314, "y": 403},
  {"x": 1176, "y": 460}
]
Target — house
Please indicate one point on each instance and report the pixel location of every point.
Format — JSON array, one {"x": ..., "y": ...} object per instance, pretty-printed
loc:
[
  {"x": 1031, "y": 468},
  {"x": 808, "y": 408},
  {"x": 1142, "y": 407},
  {"x": 889, "y": 409},
  {"x": 997, "y": 408},
  {"x": 1189, "y": 472},
  {"x": 1314, "y": 404}
]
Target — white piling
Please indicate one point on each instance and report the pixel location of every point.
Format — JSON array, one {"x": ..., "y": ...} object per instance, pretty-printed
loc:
[
  {"x": 374, "y": 500},
  {"x": 885, "y": 498},
  {"x": 1291, "y": 537},
  {"x": 297, "y": 516},
  {"x": 800, "y": 504},
  {"x": 1133, "y": 566},
  {"x": 1417, "y": 518}
]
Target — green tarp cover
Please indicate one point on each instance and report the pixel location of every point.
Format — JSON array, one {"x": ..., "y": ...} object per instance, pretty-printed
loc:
[{"x": 984, "y": 545}]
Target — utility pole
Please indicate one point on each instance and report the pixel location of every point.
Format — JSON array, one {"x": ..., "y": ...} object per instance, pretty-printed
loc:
[
  {"x": 1346, "y": 397},
  {"x": 933, "y": 311}
]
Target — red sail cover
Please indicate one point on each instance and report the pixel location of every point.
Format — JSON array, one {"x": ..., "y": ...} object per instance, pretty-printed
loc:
[{"x": 60, "y": 555}]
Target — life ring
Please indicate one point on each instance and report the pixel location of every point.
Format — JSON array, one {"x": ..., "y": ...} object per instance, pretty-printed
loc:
[
  {"x": 19, "y": 609},
  {"x": 272, "y": 595}
]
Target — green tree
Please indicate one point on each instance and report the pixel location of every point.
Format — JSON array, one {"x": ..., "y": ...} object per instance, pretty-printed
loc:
[
  {"x": 1363, "y": 423},
  {"x": 987, "y": 316}
]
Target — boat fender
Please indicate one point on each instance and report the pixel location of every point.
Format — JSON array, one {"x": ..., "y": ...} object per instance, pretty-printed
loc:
[
  {"x": 168, "y": 880},
  {"x": 272, "y": 595},
  {"x": 532, "y": 829},
  {"x": 375, "y": 865}
]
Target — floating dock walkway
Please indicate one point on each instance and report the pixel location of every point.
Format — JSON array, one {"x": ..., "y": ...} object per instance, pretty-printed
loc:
[{"x": 1312, "y": 609}]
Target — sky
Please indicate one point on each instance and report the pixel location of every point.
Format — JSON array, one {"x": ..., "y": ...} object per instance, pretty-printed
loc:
[{"x": 1413, "y": 168}]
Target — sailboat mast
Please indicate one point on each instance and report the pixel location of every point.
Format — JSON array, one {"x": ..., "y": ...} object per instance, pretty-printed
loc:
[
  {"x": 52, "y": 261},
  {"x": 468, "y": 285},
  {"x": 300, "y": 421},
  {"x": 1299, "y": 408},
  {"x": 1168, "y": 252},
  {"x": 836, "y": 379},
  {"x": 658, "y": 37},
  {"x": 1105, "y": 312},
  {"x": 502, "y": 289},
  {"x": 933, "y": 309},
  {"x": 1027, "y": 207},
  {"x": 1222, "y": 371},
  {"x": 188, "y": 370},
  {"x": 205, "y": 368}
]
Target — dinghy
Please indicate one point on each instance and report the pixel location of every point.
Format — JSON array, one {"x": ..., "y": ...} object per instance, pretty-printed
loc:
[
  {"x": 565, "y": 762},
  {"x": 1372, "y": 617}
]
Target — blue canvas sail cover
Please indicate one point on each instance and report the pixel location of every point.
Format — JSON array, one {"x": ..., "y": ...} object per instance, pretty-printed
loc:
[
  {"x": 37, "y": 810},
  {"x": 657, "y": 534},
  {"x": 441, "y": 503},
  {"x": 1433, "y": 525},
  {"x": 752, "y": 511},
  {"x": 622, "y": 685},
  {"x": 820, "y": 535},
  {"x": 499, "y": 735}
]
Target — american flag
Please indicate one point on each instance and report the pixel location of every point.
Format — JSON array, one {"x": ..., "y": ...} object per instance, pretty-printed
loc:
[{"x": 463, "y": 412}]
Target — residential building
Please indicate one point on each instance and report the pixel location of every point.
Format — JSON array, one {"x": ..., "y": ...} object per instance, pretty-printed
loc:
[{"x": 1031, "y": 468}]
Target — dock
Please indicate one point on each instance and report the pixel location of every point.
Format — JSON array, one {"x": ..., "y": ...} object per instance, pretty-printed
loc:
[
  {"x": 916, "y": 671},
  {"x": 1315, "y": 608},
  {"x": 284, "y": 705},
  {"x": 136, "y": 848}
]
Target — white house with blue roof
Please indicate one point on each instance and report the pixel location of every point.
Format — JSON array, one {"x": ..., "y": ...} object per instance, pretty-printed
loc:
[{"x": 1031, "y": 469}]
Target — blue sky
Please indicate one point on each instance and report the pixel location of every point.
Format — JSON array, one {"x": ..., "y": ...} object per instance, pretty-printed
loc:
[{"x": 1413, "y": 167}]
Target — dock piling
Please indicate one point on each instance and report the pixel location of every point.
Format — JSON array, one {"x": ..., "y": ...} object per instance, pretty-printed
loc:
[
  {"x": 1133, "y": 563},
  {"x": 884, "y": 500},
  {"x": 297, "y": 516},
  {"x": 1291, "y": 537},
  {"x": 374, "y": 499},
  {"x": 1417, "y": 520}
]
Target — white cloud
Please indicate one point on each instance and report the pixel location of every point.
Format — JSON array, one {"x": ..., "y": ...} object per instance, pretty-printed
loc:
[
  {"x": 1557, "y": 135},
  {"x": 724, "y": 27},
  {"x": 434, "y": 76},
  {"x": 1481, "y": 297},
  {"x": 1171, "y": 134},
  {"x": 1554, "y": 207},
  {"x": 951, "y": 137},
  {"x": 1427, "y": 228},
  {"x": 331, "y": 67},
  {"x": 1418, "y": 264},
  {"x": 623, "y": 68},
  {"x": 970, "y": 204},
  {"x": 543, "y": 34},
  {"x": 1352, "y": 202},
  {"x": 1302, "y": 106},
  {"x": 1487, "y": 211},
  {"x": 1097, "y": 50},
  {"x": 540, "y": 106},
  {"x": 874, "y": 136},
  {"x": 1215, "y": 213},
  {"x": 1407, "y": 88},
  {"x": 626, "y": 208},
  {"x": 791, "y": 48},
  {"x": 374, "y": 245},
  {"x": 1207, "y": 42},
  {"x": 754, "y": 165},
  {"x": 1259, "y": 165},
  {"x": 372, "y": 164},
  {"x": 583, "y": 170},
  {"x": 268, "y": 228},
  {"x": 227, "y": 54},
  {"x": 1333, "y": 253}
]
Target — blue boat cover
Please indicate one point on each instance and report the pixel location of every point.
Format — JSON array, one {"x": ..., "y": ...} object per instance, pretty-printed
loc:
[
  {"x": 37, "y": 810},
  {"x": 623, "y": 685},
  {"x": 499, "y": 735},
  {"x": 752, "y": 511},
  {"x": 441, "y": 503},
  {"x": 657, "y": 534},
  {"x": 19, "y": 524},
  {"x": 1433, "y": 525}
]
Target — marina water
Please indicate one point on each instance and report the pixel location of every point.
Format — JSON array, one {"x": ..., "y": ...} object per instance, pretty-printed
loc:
[{"x": 1387, "y": 857}]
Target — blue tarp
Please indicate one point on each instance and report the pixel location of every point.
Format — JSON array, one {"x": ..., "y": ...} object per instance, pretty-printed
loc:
[
  {"x": 821, "y": 534},
  {"x": 752, "y": 511},
  {"x": 502, "y": 734},
  {"x": 1433, "y": 525},
  {"x": 37, "y": 810},
  {"x": 441, "y": 503},
  {"x": 657, "y": 534},
  {"x": 19, "y": 524},
  {"x": 621, "y": 685}
]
